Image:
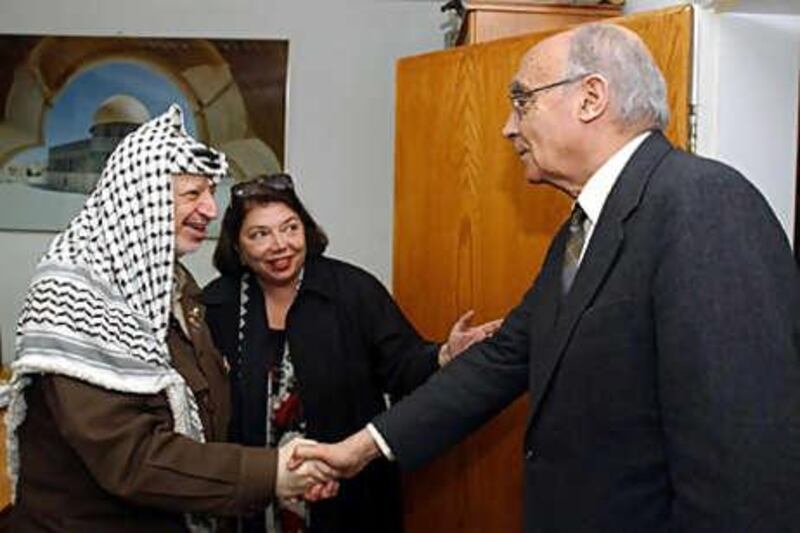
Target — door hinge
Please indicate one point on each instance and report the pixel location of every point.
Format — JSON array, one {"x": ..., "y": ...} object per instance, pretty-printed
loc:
[{"x": 692, "y": 142}]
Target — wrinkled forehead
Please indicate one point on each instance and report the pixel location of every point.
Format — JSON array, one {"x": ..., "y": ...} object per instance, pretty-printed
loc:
[
  {"x": 185, "y": 181},
  {"x": 543, "y": 63}
]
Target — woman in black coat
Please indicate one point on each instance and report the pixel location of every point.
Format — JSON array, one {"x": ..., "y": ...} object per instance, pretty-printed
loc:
[{"x": 314, "y": 345}]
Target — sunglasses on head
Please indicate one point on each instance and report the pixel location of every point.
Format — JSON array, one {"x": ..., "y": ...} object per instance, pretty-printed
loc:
[{"x": 275, "y": 182}]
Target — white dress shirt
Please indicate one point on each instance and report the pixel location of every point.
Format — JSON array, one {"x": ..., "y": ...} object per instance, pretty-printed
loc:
[{"x": 597, "y": 188}]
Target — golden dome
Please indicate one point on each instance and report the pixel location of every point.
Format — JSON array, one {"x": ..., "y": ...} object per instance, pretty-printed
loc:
[{"x": 121, "y": 108}]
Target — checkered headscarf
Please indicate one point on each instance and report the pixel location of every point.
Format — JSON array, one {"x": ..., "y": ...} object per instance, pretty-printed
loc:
[{"x": 98, "y": 306}]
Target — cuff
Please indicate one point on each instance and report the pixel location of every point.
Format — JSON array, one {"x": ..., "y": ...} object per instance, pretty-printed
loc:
[
  {"x": 380, "y": 441},
  {"x": 259, "y": 467},
  {"x": 443, "y": 356}
]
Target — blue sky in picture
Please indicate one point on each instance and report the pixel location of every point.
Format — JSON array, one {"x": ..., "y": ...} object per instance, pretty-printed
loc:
[{"x": 71, "y": 116}]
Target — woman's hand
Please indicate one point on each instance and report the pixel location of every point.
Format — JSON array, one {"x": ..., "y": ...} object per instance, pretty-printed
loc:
[{"x": 462, "y": 336}]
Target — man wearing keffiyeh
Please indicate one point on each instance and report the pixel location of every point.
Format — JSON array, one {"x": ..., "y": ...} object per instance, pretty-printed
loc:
[{"x": 119, "y": 400}]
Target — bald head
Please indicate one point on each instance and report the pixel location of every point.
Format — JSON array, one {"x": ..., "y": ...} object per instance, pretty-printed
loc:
[
  {"x": 636, "y": 85},
  {"x": 578, "y": 97},
  {"x": 548, "y": 57},
  {"x": 638, "y": 94}
]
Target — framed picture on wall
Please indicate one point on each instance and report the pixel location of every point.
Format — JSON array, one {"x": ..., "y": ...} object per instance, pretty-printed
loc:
[{"x": 68, "y": 101}]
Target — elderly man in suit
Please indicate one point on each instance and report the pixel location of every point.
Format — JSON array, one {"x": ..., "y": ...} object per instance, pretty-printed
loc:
[{"x": 660, "y": 339}]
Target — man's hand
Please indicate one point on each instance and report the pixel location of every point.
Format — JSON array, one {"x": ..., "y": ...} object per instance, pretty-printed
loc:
[
  {"x": 311, "y": 479},
  {"x": 462, "y": 336},
  {"x": 347, "y": 458}
]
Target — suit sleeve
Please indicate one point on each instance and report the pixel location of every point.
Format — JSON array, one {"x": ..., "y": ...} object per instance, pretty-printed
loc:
[
  {"x": 726, "y": 305},
  {"x": 127, "y": 443},
  {"x": 463, "y": 395}
]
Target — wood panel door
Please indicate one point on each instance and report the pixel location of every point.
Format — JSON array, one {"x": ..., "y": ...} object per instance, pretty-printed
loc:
[{"x": 470, "y": 233}]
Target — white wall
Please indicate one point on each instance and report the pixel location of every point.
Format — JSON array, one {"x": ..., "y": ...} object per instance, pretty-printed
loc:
[
  {"x": 20, "y": 252},
  {"x": 755, "y": 105},
  {"x": 340, "y": 128},
  {"x": 748, "y": 64}
]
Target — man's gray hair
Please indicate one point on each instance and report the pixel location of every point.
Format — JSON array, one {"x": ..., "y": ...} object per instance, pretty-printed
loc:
[{"x": 639, "y": 94}]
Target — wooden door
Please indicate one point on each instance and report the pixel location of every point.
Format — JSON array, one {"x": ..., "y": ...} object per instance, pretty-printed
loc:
[{"x": 470, "y": 233}]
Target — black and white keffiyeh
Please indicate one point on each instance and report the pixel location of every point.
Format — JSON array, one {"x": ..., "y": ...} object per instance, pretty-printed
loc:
[{"x": 99, "y": 302}]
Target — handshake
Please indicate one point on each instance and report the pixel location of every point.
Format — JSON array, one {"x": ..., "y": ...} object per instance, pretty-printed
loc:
[{"x": 310, "y": 470}]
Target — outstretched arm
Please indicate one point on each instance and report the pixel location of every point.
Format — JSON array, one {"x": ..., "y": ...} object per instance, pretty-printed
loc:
[
  {"x": 347, "y": 457},
  {"x": 129, "y": 447},
  {"x": 462, "y": 336}
]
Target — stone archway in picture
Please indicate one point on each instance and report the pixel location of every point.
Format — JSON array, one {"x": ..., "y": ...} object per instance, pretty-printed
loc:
[{"x": 223, "y": 111}]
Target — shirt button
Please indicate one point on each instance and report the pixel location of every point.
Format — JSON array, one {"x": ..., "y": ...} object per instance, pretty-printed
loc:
[{"x": 530, "y": 454}]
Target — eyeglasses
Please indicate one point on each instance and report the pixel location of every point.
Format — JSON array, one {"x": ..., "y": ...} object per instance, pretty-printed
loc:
[
  {"x": 521, "y": 98},
  {"x": 275, "y": 182}
]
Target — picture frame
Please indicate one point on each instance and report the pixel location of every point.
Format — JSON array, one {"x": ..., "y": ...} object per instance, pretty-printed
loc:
[{"x": 67, "y": 101}]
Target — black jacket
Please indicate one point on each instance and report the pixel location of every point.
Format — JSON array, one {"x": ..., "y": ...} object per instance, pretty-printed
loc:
[
  {"x": 665, "y": 387},
  {"x": 350, "y": 344}
]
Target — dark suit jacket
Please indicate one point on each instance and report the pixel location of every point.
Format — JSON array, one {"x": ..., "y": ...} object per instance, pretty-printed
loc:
[{"x": 665, "y": 386}]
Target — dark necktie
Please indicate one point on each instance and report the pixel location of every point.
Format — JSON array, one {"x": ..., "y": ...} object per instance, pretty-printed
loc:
[{"x": 578, "y": 225}]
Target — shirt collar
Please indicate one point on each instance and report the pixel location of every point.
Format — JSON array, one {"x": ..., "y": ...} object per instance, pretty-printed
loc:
[{"x": 594, "y": 193}]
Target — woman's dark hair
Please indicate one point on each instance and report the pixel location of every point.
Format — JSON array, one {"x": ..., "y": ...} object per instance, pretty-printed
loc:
[{"x": 262, "y": 190}]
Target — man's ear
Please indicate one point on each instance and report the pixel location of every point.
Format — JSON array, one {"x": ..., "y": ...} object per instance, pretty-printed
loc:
[{"x": 594, "y": 98}]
